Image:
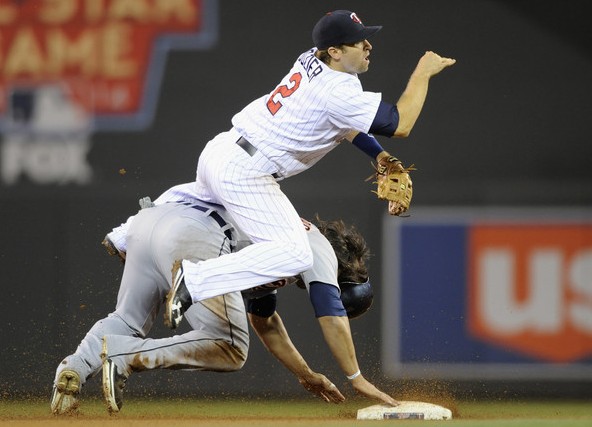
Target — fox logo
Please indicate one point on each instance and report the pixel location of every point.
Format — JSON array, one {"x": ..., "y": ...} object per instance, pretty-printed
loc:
[{"x": 70, "y": 68}]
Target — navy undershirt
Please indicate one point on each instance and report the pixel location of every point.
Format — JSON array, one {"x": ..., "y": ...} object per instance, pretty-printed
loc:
[
  {"x": 386, "y": 121},
  {"x": 323, "y": 296}
]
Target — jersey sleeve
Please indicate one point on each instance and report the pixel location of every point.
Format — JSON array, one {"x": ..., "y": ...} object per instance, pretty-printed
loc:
[
  {"x": 324, "y": 268},
  {"x": 350, "y": 107}
]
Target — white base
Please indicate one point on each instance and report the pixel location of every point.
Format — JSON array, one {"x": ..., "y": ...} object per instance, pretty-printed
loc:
[{"x": 407, "y": 410}]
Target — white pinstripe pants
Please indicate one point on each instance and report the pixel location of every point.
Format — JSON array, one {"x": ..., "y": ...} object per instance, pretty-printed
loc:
[{"x": 227, "y": 175}]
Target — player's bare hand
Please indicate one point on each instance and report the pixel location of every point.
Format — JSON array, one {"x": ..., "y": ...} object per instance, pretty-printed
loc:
[
  {"x": 320, "y": 386},
  {"x": 367, "y": 389},
  {"x": 431, "y": 63}
]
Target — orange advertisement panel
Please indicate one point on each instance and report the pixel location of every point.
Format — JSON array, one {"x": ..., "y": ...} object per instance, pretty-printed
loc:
[{"x": 530, "y": 288}]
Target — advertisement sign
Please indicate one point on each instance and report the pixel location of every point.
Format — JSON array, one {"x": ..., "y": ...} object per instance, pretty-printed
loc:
[
  {"x": 72, "y": 67},
  {"x": 491, "y": 293}
]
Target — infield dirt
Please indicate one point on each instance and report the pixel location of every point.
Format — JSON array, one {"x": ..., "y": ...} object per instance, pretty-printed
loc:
[{"x": 309, "y": 413}]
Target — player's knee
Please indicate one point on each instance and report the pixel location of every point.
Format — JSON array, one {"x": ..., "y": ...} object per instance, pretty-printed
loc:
[
  {"x": 239, "y": 357},
  {"x": 241, "y": 361},
  {"x": 302, "y": 258}
]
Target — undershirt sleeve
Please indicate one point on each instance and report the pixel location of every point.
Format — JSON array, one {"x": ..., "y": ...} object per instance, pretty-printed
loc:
[
  {"x": 386, "y": 121},
  {"x": 325, "y": 300}
]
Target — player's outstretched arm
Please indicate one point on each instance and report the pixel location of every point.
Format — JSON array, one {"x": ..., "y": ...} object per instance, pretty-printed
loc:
[
  {"x": 337, "y": 334},
  {"x": 272, "y": 333},
  {"x": 411, "y": 101}
]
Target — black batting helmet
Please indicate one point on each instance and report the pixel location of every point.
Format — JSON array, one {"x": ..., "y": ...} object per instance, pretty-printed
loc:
[{"x": 356, "y": 297}]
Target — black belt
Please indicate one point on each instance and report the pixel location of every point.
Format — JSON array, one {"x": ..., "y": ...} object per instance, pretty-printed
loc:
[
  {"x": 215, "y": 215},
  {"x": 247, "y": 146},
  {"x": 250, "y": 149}
]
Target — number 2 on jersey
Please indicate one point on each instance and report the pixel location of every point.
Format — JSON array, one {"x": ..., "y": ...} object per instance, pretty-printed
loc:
[{"x": 284, "y": 91}]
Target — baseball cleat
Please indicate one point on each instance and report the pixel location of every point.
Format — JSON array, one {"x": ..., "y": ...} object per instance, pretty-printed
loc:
[
  {"x": 113, "y": 382},
  {"x": 64, "y": 398},
  {"x": 178, "y": 300}
]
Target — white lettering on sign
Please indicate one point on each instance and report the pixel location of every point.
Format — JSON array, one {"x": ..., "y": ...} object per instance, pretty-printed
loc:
[
  {"x": 542, "y": 305},
  {"x": 59, "y": 161},
  {"x": 580, "y": 278}
]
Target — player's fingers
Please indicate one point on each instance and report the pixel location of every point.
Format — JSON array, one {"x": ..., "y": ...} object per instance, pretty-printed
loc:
[
  {"x": 336, "y": 396},
  {"x": 390, "y": 401},
  {"x": 332, "y": 398},
  {"x": 339, "y": 398},
  {"x": 447, "y": 62}
]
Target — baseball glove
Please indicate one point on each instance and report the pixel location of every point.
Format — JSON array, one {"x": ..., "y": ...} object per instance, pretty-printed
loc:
[
  {"x": 394, "y": 184},
  {"x": 112, "y": 250}
]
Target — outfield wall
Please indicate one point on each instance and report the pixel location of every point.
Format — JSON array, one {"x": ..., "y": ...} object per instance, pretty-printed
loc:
[{"x": 102, "y": 106}]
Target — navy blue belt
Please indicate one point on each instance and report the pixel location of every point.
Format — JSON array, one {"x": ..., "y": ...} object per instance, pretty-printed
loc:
[{"x": 215, "y": 215}]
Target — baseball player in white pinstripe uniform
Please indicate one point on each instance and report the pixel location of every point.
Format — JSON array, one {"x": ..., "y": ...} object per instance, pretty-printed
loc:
[
  {"x": 183, "y": 225},
  {"x": 317, "y": 105}
]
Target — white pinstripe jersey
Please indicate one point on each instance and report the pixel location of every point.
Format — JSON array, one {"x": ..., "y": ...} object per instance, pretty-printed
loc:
[
  {"x": 325, "y": 263},
  {"x": 307, "y": 115}
]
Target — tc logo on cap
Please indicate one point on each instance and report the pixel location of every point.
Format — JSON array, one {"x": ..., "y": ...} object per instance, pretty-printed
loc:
[{"x": 355, "y": 18}]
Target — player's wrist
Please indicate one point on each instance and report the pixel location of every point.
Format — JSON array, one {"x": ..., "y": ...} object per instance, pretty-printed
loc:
[
  {"x": 354, "y": 375},
  {"x": 305, "y": 373},
  {"x": 368, "y": 144},
  {"x": 383, "y": 155}
]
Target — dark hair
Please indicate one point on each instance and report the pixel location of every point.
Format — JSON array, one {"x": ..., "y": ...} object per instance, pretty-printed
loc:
[
  {"x": 324, "y": 56},
  {"x": 349, "y": 246}
]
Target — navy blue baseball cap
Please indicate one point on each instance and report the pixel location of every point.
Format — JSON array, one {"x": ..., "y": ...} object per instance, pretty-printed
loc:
[{"x": 340, "y": 27}]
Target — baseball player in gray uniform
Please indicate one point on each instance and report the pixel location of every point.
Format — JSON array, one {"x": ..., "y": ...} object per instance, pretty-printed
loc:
[
  {"x": 180, "y": 224},
  {"x": 317, "y": 105},
  {"x": 154, "y": 240}
]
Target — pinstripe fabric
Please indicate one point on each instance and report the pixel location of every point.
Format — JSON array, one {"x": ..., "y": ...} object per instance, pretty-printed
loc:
[
  {"x": 293, "y": 127},
  {"x": 227, "y": 175},
  {"x": 312, "y": 120}
]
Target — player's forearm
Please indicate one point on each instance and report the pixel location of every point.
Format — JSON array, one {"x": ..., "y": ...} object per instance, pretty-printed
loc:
[
  {"x": 337, "y": 334},
  {"x": 275, "y": 338},
  {"x": 411, "y": 102}
]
